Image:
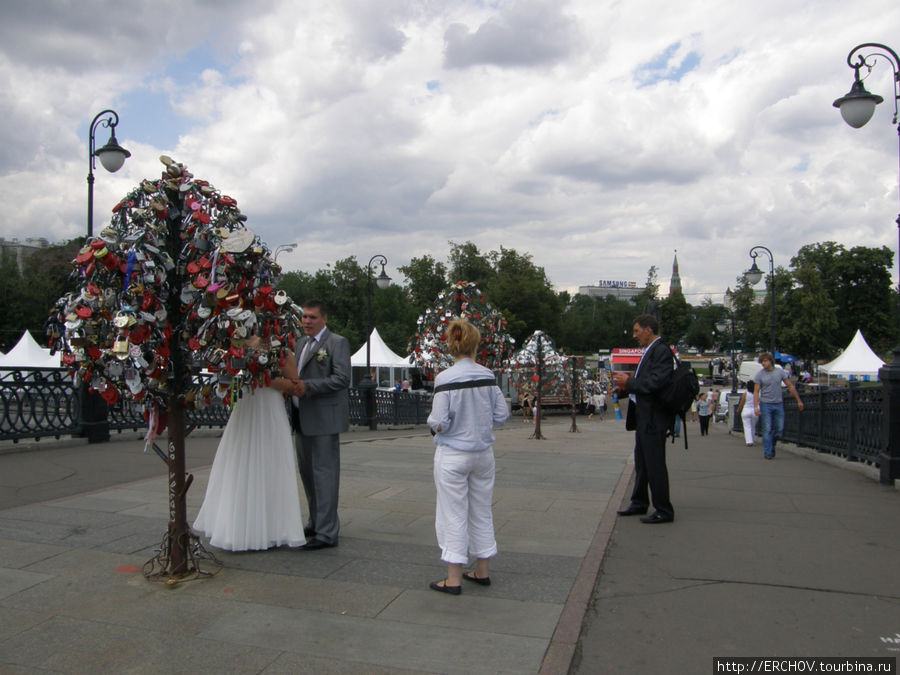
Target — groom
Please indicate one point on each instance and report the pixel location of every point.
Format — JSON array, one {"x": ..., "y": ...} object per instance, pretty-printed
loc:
[{"x": 323, "y": 407}]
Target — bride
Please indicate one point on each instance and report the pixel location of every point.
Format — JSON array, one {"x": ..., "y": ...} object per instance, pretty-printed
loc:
[{"x": 252, "y": 501}]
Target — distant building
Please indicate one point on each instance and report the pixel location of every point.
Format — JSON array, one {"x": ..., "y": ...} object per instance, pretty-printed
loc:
[
  {"x": 22, "y": 249},
  {"x": 675, "y": 282},
  {"x": 621, "y": 290}
]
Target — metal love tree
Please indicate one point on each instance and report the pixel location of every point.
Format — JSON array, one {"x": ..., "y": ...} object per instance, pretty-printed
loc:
[
  {"x": 428, "y": 347},
  {"x": 174, "y": 284},
  {"x": 538, "y": 370}
]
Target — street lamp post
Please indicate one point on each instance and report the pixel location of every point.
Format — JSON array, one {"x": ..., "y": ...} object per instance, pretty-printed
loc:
[
  {"x": 732, "y": 397},
  {"x": 729, "y": 305},
  {"x": 857, "y": 108},
  {"x": 753, "y": 275},
  {"x": 112, "y": 157},
  {"x": 283, "y": 248},
  {"x": 367, "y": 384},
  {"x": 94, "y": 415}
]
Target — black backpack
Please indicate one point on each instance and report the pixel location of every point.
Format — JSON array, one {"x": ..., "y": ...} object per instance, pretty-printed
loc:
[{"x": 678, "y": 396}]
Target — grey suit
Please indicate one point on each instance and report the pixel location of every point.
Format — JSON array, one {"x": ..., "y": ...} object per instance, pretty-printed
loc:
[{"x": 324, "y": 413}]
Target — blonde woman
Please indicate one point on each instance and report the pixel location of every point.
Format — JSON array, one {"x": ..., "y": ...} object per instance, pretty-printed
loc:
[{"x": 467, "y": 406}]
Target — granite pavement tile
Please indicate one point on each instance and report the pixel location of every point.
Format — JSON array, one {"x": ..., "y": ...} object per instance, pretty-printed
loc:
[{"x": 379, "y": 642}]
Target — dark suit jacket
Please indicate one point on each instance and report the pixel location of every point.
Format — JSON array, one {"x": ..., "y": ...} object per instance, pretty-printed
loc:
[
  {"x": 325, "y": 409},
  {"x": 655, "y": 373}
]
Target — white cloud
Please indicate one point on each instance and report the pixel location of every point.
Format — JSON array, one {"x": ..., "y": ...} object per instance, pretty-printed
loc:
[{"x": 394, "y": 126}]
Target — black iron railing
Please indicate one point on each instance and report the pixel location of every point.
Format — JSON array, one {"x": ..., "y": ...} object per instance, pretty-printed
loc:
[
  {"x": 844, "y": 421},
  {"x": 40, "y": 403},
  {"x": 37, "y": 402}
]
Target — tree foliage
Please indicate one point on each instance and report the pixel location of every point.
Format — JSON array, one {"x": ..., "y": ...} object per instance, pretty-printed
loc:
[
  {"x": 30, "y": 291},
  {"x": 425, "y": 279},
  {"x": 675, "y": 318},
  {"x": 827, "y": 293},
  {"x": 840, "y": 290}
]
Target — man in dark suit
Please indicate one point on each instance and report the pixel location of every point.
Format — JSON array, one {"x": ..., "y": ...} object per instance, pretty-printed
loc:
[
  {"x": 650, "y": 422},
  {"x": 323, "y": 409}
]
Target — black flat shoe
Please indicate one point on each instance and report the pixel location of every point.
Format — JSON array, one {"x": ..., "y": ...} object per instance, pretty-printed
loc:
[
  {"x": 656, "y": 517},
  {"x": 632, "y": 511},
  {"x": 441, "y": 587},
  {"x": 481, "y": 581}
]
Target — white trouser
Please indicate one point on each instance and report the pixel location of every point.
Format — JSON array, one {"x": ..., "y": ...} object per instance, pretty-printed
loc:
[
  {"x": 463, "y": 520},
  {"x": 750, "y": 421}
]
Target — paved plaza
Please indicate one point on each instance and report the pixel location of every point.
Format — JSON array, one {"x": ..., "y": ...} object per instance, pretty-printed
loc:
[{"x": 791, "y": 557}]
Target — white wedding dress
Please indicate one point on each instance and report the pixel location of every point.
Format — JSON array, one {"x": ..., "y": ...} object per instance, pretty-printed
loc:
[{"x": 252, "y": 501}]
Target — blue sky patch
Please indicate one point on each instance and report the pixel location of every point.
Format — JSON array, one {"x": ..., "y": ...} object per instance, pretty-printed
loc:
[
  {"x": 661, "y": 67},
  {"x": 146, "y": 113}
]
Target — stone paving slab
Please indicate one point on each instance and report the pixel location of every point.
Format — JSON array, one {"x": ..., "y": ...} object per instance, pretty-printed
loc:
[
  {"x": 383, "y": 642},
  {"x": 70, "y": 571},
  {"x": 788, "y": 557}
]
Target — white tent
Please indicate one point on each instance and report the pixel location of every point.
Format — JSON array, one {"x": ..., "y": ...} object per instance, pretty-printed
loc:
[
  {"x": 858, "y": 361},
  {"x": 380, "y": 357},
  {"x": 28, "y": 354}
]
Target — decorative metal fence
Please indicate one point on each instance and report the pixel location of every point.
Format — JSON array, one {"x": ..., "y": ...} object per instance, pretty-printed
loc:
[
  {"x": 40, "y": 403},
  {"x": 37, "y": 402},
  {"x": 847, "y": 421}
]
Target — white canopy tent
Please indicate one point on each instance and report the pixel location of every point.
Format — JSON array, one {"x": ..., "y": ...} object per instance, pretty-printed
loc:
[
  {"x": 28, "y": 354},
  {"x": 857, "y": 362},
  {"x": 380, "y": 357}
]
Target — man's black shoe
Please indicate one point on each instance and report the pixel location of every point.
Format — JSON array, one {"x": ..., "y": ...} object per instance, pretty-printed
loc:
[
  {"x": 315, "y": 545},
  {"x": 633, "y": 511},
  {"x": 656, "y": 517}
]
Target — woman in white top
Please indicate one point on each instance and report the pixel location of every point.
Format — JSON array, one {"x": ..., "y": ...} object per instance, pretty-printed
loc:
[
  {"x": 745, "y": 410},
  {"x": 467, "y": 405}
]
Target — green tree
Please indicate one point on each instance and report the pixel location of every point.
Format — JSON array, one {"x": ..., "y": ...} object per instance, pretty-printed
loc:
[
  {"x": 577, "y": 332},
  {"x": 751, "y": 326},
  {"x": 674, "y": 317},
  {"x": 343, "y": 288},
  {"x": 591, "y": 323},
  {"x": 647, "y": 301},
  {"x": 523, "y": 293},
  {"x": 30, "y": 293},
  {"x": 812, "y": 332},
  {"x": 468, "y": 264},
  {"x": 856, "y": 282},
  {"x": 425, "y": 279},
  {"x": 298, "y": 285},
  {"x": 702, "y": 332}
]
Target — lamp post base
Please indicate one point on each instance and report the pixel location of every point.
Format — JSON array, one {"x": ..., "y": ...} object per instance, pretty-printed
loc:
[{"x": 367, "y": 385}]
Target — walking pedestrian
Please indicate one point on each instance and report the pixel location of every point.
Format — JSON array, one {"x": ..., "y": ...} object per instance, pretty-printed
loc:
[{"x": 768, "y": 403}]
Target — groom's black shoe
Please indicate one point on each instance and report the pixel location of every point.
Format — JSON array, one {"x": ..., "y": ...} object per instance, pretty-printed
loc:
[
  {"x": 315, "y": 545},
  {"x": 633, "y": 511}
]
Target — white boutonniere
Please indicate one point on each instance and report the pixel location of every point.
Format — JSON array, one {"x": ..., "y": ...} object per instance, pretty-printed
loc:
[{"x": 321, "y": 355}]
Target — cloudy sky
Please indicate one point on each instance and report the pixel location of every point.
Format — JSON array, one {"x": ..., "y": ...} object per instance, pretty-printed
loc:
[{"x": 599, "y": 136}]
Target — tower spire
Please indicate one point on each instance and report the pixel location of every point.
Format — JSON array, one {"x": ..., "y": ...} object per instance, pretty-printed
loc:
[{"x": 675, "y": 282}]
